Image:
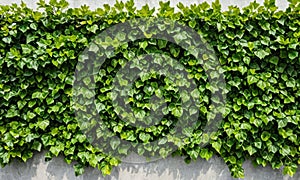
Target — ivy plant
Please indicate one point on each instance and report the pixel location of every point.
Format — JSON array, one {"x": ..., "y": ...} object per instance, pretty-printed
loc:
[{"x": 257, "y": 46}]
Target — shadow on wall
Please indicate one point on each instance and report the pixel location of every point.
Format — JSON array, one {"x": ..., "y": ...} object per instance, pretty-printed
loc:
[{"x": 169, "y": 168}]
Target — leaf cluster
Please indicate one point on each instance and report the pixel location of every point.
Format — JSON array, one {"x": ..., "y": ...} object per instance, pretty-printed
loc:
[{"x": 258, "y": 47}]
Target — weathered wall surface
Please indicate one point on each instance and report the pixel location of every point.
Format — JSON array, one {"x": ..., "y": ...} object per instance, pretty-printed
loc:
[
  {"x": 164, "y": 169},
  {"x": 170, "y": 168}
]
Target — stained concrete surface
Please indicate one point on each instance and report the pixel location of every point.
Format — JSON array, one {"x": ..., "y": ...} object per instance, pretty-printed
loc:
[{"x": 170, "y": 168}]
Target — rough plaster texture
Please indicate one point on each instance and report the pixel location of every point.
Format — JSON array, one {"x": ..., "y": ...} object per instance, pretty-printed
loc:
[
  {"x": 166, "y": 169},
  {"x": 169, "y": 168}
]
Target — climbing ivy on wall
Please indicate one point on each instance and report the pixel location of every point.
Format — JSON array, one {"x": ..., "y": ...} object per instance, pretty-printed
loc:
[{"x": 257, "y": 46}]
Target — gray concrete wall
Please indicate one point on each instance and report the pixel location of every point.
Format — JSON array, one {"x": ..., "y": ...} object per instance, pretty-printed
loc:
[
  {"x": 169, "y": 168},
  {"x": 164, "y": 169}
]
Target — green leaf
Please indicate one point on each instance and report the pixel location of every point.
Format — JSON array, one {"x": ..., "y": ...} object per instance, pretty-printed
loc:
[
  {"x": 205, "y": 153},
  {"x": 114, "y": 143},
  {"x": 93, "y": 28},
  {"x": 33, "y": 26},
  {"x": 265, "y": 136},
  {"x": 247, "y": 60},
  {"x": 81, "y": 138},
  {"x": 59, "y": 147},
  {"x": 27, "y": 155},
  {"x": 123, "y": 149},
  {"x": 193, "y": 154},
  {"x": 176, "y": 111},
  {"x": 285, "y": 150},
  {"x": 38, "y": 95},
  {"x": 261, "y": 84},
  {"x": 236, "y": 107},
  {"x": 162, "y": 43},
  {"x": 293, "y": 54},
  {"x": 231, "y": 159},
  {"x": 26, "y": 49},
  {"x": 162, "y": 141},
  {"x": 180, "y": 37},
  {"x": 143, "y": 44},
  {"x": 43, "y": 124},
  {"x": 261, "y": 54},
  {"x": 252, "y": 79},
  {"x": 251, "y": 150},
  {"x": 291, "y": 83},
  {"x": 164, "y": 153},
  {"x": 274, "y": 60},
  {"x": 79, "y": 169},
  {"x": 251, "y": 45},
  {"x": 37, "y": 146},
  {"x": 12, "y": 112},
  {"x": 7, "y": 40},
  {"x": 217, "y": 146},
  {"x": 282, "y": 123},
  {"x": 290, "y": 170},
  {"x": 272, "y": 148},
  {"x": 31, "y": 103},
  {"x": 258, "y": 144},
  {"x": 30, "y": 115},
  {"x": 144, "y": 137}
]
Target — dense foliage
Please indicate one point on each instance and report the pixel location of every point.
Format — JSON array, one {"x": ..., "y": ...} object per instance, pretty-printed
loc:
[{"x": 257, "y": 47}]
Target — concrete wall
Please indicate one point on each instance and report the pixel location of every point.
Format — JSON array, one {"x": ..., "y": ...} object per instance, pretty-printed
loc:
[
  {"x": 164, "y": 169},
  {"x": 169, "y": 168}
]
